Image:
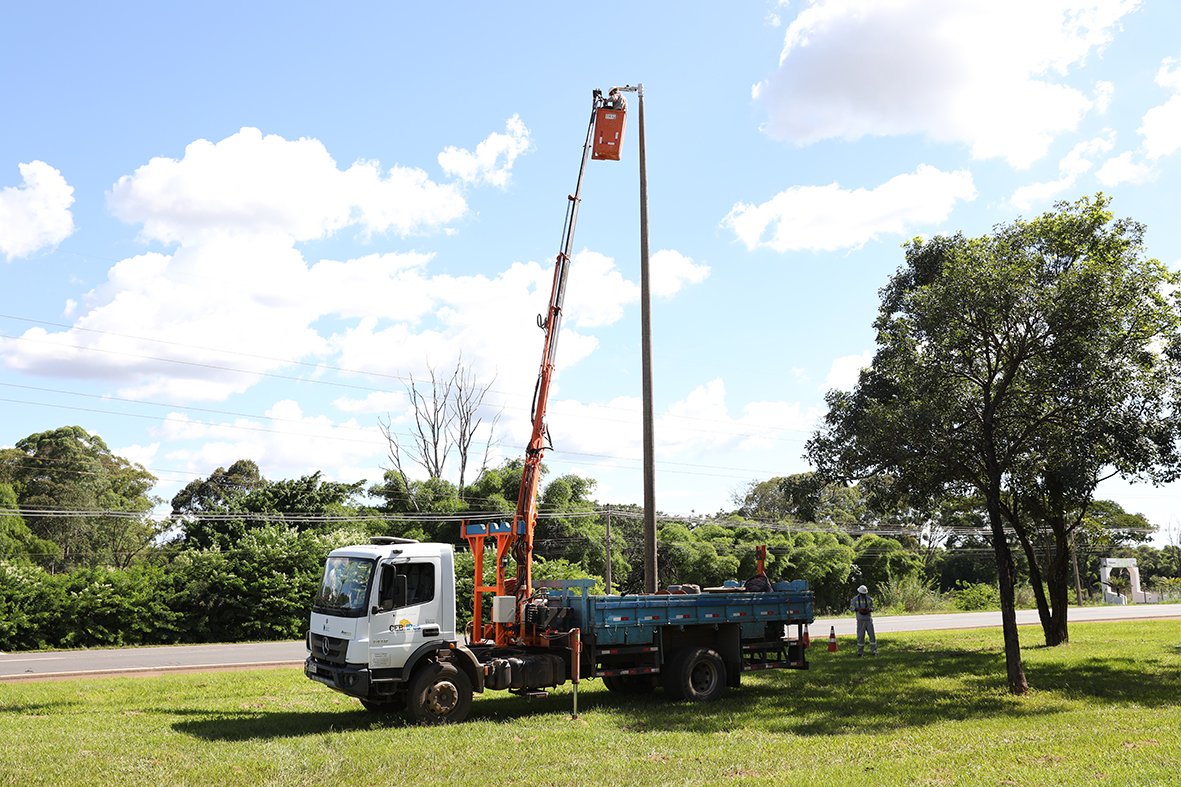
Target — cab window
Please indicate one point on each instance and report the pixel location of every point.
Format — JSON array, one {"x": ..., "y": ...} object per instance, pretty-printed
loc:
[{"x": 407, "y": 585}]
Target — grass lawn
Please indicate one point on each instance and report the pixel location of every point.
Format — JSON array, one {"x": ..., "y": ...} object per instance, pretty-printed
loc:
[{"x": 930, "y": 709}]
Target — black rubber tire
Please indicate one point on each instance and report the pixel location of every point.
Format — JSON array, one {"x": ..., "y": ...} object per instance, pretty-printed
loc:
[
  {"x": 438, "y": 694},
  {"x": 629, "y": 684},
  {"x": 695, "y": 674}
]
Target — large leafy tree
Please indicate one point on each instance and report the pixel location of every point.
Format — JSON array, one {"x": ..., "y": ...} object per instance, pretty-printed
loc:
[
  {"x": 78, "y": 494},
  {"x": 1019, "y": 366},
  {"x": 1107, "y": 384},
  {"x": 220, "y": 510}
]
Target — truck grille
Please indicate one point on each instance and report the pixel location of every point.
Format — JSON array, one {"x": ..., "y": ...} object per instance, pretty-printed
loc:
[{"x": 329, "y": 649}]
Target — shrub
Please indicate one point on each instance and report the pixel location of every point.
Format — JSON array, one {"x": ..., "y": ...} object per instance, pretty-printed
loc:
[
  {"x": 31, "y": 600},
  {"x": 970, "y": 597},
  {"x": 909, "y": 593},
  {"x": 1168, "y": 587}
]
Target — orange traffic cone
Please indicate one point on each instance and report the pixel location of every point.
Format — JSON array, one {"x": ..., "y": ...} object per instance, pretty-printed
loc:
[{"x": 832, "y": 639}]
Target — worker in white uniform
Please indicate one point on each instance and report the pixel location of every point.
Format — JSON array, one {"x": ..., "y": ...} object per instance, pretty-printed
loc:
[{"x": 862, "y": 607}]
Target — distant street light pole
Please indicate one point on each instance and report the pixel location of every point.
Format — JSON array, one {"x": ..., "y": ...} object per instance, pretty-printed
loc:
[{"x": 650, "y": 572}]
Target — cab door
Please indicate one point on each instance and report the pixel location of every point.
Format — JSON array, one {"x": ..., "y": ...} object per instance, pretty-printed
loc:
[{"x": 406, "y": 614}]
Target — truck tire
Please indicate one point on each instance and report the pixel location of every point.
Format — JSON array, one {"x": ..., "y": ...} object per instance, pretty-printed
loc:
[
  {"x": 438, "y": 694},
  {"x": 629, "y": 684},
  {"x": 695, "y": 674}
]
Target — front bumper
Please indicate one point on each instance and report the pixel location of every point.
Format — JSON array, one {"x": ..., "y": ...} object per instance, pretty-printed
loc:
[{"x": 354, "y": 681}]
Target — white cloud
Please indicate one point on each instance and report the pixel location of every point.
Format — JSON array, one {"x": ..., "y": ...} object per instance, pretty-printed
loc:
[
  {"x": 285, "y": 442},
  {"x": 1161, "y": 125},
  {"x": 990, "y": 74},
  {"x": 596, "y": 291},
  {"x": 37, "y": 214},
  {"x": 492, "y": 161},
  {"x": 670, "y": 271},
  {"x": 375, "y": 402},
  {"x": 1073, "y": 165},
  {"x": 1160, "y": 134},
  {"x": 827, "y": 218},
  {"x": 1123, "y": 168},
  {"x": 250, "y": 184},
  {"x": 236, "y": 210},
  {"x": 698, "y": 425},
  {"x": 844, "y": 372}
]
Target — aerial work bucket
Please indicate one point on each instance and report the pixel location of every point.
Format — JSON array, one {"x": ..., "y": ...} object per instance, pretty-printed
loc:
[{"x": 610, "y": 120}]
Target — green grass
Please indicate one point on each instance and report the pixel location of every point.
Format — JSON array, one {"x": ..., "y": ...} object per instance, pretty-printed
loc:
[{"x": 930, "y": 709}]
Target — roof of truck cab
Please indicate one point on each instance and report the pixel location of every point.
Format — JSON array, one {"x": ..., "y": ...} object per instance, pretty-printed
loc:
[{"x": 388, "y": 550}]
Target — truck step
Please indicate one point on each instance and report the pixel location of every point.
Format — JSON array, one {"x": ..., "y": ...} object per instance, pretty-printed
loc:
[{"x": 530, "y": 694}]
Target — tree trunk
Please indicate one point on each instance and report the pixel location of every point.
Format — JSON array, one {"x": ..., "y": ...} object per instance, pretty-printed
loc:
[
  {"x": 1044, "y": 613},
  {"x": 1059, "y": 582},
  {"x": 1004, "y": 565}
]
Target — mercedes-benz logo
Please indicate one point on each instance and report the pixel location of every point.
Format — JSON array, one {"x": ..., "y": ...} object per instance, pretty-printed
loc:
[{"x": 325, "y": 647}]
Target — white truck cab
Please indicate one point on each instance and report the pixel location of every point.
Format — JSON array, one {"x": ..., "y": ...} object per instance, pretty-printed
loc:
[{"x": 382, "y": 610}]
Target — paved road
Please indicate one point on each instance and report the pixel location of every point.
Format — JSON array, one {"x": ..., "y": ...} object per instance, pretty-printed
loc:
[
  {"x": 64, "y": 663},
  {"x": 846, "y": 626},
  {"x": 61, "y": 664}
]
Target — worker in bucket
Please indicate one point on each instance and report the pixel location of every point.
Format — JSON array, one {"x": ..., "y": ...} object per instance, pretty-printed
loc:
[{"x": 862, "y": 607}]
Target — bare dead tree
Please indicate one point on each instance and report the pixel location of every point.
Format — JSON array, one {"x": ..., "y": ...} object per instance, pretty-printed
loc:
[
  {"x": 448, "y": 416},
  {"x": 394, "y": 453},
  {"x": 466, "y": 408},
  {"x": 433, "y": 417}
]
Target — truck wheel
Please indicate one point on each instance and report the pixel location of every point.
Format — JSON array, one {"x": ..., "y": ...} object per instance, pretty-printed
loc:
[
  {"x": 695, "y": 674},
  {"x": 438, "y": 694},
  {"x": 629, "y": 684}
]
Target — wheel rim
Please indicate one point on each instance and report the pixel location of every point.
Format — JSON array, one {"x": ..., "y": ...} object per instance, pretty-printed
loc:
[
  {"x": 703, "y": 678},
  {"x": 441, "y": 698}
]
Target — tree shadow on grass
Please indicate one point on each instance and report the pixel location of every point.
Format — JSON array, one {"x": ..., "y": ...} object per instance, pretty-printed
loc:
[
  {"x": 1114, "y": 679},
  {"x": 906, "y": 686},
  {"x": 37, "y": 708}
]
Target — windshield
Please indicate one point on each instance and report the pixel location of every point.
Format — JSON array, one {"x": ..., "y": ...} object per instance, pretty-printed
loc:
[{"x": 345, "y": 590}]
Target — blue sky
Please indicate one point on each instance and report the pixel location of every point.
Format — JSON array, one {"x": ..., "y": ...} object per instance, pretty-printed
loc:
[{"x": 233, "y": 230}]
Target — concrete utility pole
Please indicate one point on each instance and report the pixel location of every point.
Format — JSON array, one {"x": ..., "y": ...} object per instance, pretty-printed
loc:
[
  {"x": 650, "y": 569},
  {"x": 607, "y": 568},
  {"x": 650, "y": 473}
]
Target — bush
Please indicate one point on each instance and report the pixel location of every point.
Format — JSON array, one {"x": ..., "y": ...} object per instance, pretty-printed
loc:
[
  {"x": 31, "y": 600},
  {"x": 1169, "y": 588},
  {"x": 107, "y": 607},
  {"x": 909, "y": 594},
  {"x": 971, "y": 597}
]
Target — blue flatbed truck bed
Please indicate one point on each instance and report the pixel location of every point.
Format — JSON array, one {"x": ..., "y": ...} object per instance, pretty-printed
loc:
[{"x": 633, "y": 642}]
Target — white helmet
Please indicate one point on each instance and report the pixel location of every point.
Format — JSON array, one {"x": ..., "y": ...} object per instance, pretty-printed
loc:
[{"x": 862, "y": 589}]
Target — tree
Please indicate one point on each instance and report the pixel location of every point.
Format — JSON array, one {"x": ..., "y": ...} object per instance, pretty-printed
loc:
[
  {"x": 879, "y": 561},
  {"x": 447, "y": 415},
  {"x": 1023, "y": 366},
  {"x": 222, "y": 492},
  {"x": 91, "y": 503},
  {"x": 220, "y": 510},
  {"x": 17, "y": 542},
  {"x": 568, "y": 527},
  {"x": 934, "y": 409},
  {"x": 802, "y": 497}
]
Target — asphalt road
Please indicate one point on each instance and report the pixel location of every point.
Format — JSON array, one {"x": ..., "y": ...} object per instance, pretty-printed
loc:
[{"x": 179, "y": 658}]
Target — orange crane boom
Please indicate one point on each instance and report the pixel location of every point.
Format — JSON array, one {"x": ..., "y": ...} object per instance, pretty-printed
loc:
[{"x": 517, "y": 543}]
